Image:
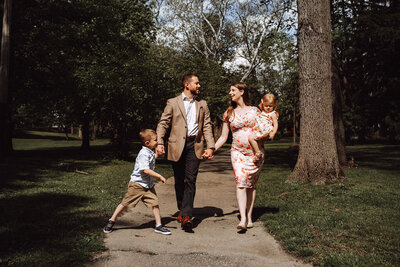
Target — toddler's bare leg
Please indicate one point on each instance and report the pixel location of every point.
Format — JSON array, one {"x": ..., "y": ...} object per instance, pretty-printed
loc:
[{"x": 256, "y": 149}]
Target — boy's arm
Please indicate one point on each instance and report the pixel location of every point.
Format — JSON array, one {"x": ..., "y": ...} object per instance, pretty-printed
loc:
[
  {"x": 155, "y": 174},
  {"x": 275, "y": 124}
]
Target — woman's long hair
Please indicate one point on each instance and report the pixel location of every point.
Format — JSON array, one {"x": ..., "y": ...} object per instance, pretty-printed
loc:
[{"x": 233, "y": 104}]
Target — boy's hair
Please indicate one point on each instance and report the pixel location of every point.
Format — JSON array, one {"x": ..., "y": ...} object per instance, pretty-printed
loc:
[
  {"x": 146, "y": 134},
  {"x": 187, "y": 78},
  {"x": 269, "y": 99}
]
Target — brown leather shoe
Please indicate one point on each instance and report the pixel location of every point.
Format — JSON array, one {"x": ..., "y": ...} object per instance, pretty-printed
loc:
[
  {"x": 179, "y": 218},
  {"x": 187, "y": 223}
]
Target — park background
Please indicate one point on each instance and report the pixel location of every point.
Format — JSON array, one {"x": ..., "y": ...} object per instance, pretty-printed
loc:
[{"x": 79, "y": 79}]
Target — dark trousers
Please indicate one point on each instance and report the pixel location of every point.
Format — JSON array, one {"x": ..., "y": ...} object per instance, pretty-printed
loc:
[{"x": 185, "y": 173}]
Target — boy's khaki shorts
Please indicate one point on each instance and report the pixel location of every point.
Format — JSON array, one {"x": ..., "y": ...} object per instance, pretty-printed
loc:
[{"x": 136, "y": 192}]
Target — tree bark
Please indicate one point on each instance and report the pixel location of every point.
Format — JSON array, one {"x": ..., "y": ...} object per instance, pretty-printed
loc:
[
  {"x": 338, "y": 115},
  {"x": 294, "y": 125},
  {"x": 5, "y": 133},
  {"x": 318, "y": 159}
]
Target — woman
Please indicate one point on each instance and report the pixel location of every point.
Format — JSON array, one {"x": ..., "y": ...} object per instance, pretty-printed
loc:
[{"x": 240, "y": 118}]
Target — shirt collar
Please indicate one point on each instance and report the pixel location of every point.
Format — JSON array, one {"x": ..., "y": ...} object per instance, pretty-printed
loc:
[{"x": 185, "y": 98}]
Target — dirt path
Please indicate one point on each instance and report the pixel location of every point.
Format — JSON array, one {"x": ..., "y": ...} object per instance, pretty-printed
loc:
[{"x": 215, "y": 241}]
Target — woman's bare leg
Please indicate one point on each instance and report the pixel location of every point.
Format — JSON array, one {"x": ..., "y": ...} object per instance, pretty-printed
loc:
[{"x": 242, "y": 199}]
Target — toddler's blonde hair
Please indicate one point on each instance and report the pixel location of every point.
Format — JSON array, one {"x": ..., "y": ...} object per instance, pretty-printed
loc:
[{"x": 269, "y": 99}]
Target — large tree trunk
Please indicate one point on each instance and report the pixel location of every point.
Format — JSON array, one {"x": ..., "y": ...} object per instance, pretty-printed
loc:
[
  {"x": 5, "y": 133},
  {"x": 340, "y": 137},
  {"x": 294, "y": 125},
  {"x": 318, "y": 159}
]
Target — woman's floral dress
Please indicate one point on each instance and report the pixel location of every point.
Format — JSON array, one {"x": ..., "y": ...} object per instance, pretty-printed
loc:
[
  {"x": 263, "y": 125},
  {"x": 246, "y": 171}
]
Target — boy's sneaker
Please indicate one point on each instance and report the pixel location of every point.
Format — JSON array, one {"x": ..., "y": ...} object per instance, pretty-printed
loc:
[
  {"x": 162, "y": 230},
  {"x": 109, "y": 227}
]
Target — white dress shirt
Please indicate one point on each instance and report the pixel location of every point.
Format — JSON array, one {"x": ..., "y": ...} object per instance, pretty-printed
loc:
[{"x": 190, "y": 107}]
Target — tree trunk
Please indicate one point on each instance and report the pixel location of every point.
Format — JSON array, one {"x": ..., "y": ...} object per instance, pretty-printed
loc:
[
  {"x": 85, "y": 135},
  {"x": 337, "y": 114},
  {"x": 122, "y": 141},
  {"x": 5, "y": 133},
  {"x": 294, "y": 125},
  {"x": 94, "y": 130},
  {"x": 80, "y": 131},
  {"x": 318, "y": 159}
]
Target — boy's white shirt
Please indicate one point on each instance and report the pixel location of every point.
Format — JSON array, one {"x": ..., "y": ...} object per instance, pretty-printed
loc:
[{"x": 146, "y": 159}]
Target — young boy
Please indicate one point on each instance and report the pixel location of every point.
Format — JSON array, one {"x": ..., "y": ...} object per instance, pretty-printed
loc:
[{"x": 141, "y": 185}]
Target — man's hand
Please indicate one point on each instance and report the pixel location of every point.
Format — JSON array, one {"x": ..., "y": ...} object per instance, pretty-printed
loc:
[
  {"x": 208, "y": 154},
  {"x": 160, "y": 150}
]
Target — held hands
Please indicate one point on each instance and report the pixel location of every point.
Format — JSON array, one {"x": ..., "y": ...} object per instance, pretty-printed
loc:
[
  {"x": 160, "y": 150},
  {"x": 208, "y": 154}
]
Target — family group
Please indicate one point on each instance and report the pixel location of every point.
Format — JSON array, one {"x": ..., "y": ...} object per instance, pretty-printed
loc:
[{"x": 187, "y": 120}]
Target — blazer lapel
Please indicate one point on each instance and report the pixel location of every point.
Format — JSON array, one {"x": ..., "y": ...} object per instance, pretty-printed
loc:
[
  {"x": 199, "y": 112},
  {"x": 182, "y": 107}
]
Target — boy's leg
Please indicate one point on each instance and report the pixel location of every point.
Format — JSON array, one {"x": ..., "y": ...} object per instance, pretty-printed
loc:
[
  {"x": 109, "y": 227},
  {"x": 159, "y": 228},
  {"x": 117, "y": 211},
  {"x": 157, "y": 216}
]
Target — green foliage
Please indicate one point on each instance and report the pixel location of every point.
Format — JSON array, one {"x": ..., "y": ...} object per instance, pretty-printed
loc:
[
  {"x": 366, "y": 37},
  {"x": 78, "y": 61},
  {"x": 345, "y": 223}
]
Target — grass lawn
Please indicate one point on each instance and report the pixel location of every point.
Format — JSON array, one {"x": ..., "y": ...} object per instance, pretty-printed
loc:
[
  {"x": 53, "y": 216},
  {"x": 354, "y": 222}
]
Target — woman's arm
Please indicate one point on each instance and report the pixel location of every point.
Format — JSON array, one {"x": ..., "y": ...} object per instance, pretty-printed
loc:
[{"x": 224, "y": 136}]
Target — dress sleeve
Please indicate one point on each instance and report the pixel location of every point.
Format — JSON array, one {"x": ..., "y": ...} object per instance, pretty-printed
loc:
[
  {"x": 225, "y": 117},
  {"x": 277, "y": 115}
]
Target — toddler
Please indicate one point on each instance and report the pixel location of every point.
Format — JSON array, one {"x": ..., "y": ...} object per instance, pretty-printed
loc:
[{"x": 266, "y": 123}]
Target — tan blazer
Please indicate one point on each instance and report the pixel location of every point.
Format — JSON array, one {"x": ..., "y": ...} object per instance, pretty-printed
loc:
[{"x": 174, "y": 116}]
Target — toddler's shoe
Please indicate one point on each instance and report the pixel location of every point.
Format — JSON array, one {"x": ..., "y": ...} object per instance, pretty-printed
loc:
[
  {"x": 162, "y": 230},
  {"x": 109, "y": 227}
]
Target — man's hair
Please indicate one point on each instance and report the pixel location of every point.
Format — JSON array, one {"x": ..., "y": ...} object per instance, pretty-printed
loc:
[
  {"x": 186, "y": 78},
  {"x": 146, "y": 134}
]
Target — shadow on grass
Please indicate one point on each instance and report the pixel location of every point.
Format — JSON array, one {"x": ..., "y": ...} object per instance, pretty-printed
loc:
[
  {"x": 46, "y": 226},
  {"x": 381, "y": 157},
  {"x": 29, "y": 165},
  {"x": 281, "y": 158},
  {"x": 260, "y": 211}
]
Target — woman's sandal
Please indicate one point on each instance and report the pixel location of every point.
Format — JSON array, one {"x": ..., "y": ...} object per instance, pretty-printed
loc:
[{"x": 250, "y": 225}]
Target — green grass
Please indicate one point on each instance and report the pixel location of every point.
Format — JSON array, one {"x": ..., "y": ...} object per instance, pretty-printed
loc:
[
  {"x": 346, "y": 223},
  {"x": 50, "y": 215}
]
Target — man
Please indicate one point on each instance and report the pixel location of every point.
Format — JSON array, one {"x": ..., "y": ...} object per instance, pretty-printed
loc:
[{"x": 189, "y": 119}]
